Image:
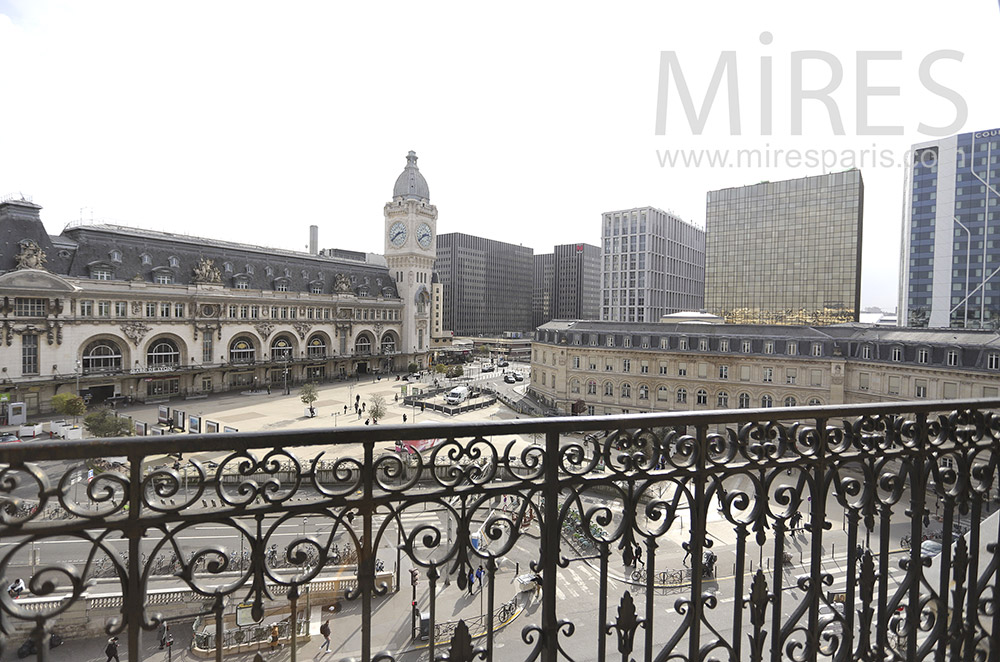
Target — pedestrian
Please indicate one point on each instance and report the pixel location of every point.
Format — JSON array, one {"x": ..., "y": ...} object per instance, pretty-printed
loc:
[
  {"x": 638, "y": 554},
  {"x": 345, "y": 409},
  {"x": 687, "y": 553},
  {"x": 472, "y": 580},
  {"x": 274, "y": 638},
  {"x": 359, "y": 413},
  {"x": 404, "y": 418},
  {"x": 163, "y": 634},
  {"x": 325, "y": 631},
  {"x": 367, "y": 421},
  {"x": 479, "y": 576},
  {"x": 396, "y": 398},
  {"x": 269, "y": 389},
  {"x": 111, "y": 650},
  {"x": 363, "y": 405}
]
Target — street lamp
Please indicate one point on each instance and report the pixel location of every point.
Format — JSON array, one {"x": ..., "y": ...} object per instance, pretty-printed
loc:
[{"x": 77, "y": 371}]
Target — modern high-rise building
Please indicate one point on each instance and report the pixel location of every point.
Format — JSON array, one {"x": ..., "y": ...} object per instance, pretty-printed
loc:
[
  {"x": 949, "y": 272},
  {"x": 486, "y": 284},
  {"x": 541, "y": 293},
  {"x": 567, "y": 284},
  {"x": 786, "y": 252},
  {"x": 576, "y": 282},
  {"x": 653, "y": 264}
]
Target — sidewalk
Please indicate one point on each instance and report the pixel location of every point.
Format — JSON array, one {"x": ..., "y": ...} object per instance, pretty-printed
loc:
[{"x": 391, "y": 618}]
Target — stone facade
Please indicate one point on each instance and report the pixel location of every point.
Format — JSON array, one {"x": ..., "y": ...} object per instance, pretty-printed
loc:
[
  {"x": 117, "y": 311},
  {"x": 616, "y": 368}
]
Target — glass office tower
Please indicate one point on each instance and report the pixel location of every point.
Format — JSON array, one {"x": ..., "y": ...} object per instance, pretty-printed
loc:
[
  {"x": 786, "y": 252},
  {"x": 949, "y": 272}
]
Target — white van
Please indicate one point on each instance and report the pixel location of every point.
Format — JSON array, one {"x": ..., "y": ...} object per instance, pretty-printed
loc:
[{"x": 457, "y": 395}]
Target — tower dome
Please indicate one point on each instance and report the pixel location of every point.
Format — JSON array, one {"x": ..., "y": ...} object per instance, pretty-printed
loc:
[{"x": 411, "y": 185}]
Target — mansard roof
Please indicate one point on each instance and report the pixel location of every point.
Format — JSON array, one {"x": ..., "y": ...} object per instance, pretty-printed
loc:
[{"x": 146, "y": 252}]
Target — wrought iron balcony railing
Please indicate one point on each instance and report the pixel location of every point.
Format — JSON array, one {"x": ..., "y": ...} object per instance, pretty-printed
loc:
[{"x": 760, "y": 534}]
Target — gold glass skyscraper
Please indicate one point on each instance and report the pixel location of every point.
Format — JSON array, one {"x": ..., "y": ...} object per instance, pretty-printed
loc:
[{"x": 786, "y": 252}]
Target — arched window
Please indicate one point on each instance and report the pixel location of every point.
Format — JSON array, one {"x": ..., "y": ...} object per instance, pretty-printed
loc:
[
  {"x": 162, "y": 354},
  {"x": 388, "y": 344},
  {"x": 626, "y": 390},
  {"x": 363, "y": 345},
  {"x": 744, "y": 401},
  {"x": 682, "y": 395},
  {"x": 814, "y": 402},
  {"x": 316, "y": 347},
  {"x": 241, "y": 350},
  {"x": 644, "y": 392},
  {"x": 662, "y": 393},
  {"x": 101, "y": 355},
  {"x": 702, "y": 396},
  {"x": 574, "y": 386},
  {"x": 609, "y": 388},
  {"x": 591, "y": 387},
  {"x": 281, "y": 349},
  {"x": 789, "y": 401},
  {"x": 766, "y": 401},
  {"x": 722, "y": 400}
]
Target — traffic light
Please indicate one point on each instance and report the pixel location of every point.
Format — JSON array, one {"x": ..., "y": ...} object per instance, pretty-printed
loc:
[{"x": 414, "y": 576}]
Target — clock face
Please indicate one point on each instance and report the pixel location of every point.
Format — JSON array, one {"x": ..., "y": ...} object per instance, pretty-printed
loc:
[
  {"x": 397, "y": 234},
  {"x": 424, "y": 235}
]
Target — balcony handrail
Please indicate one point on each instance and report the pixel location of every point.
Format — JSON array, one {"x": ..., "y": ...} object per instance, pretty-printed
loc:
[{"x": 346, "y": 434}]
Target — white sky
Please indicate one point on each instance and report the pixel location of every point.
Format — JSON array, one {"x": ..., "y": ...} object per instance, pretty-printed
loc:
[{"x": 250, "y": 121}]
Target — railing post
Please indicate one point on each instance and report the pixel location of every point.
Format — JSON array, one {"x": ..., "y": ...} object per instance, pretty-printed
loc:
[
  {"x": 366, "y": 566},
  {"x": 132, "y": 601},
  {"x": 550, "y": 548}
]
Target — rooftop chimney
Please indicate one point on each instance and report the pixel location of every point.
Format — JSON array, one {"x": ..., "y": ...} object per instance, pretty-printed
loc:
[{"x": 313, "y": 239}]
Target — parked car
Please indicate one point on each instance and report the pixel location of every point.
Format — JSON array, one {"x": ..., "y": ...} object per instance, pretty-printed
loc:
[
  {"x": 503, "y": 364},
  {"x": 510, "y": 379},
  {"x": 488, "y": 368},
  {"x": 930, "y": 548},
  {"x": 518, "y": 377},
  {"x": 8, "y": 436}
]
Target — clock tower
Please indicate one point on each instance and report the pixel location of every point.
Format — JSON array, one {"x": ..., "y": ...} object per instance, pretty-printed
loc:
[{"x": 410, "y": 249}]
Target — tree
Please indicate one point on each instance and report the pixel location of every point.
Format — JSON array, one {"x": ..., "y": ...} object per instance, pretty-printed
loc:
[
  {"x": 455, "y": 371},
  {"x": 441, "y": 368},
  {"x": 376, "y": 408},
  {"x": 308, "y": 396},
  {"x": 412, "y": 367},
  {"x": 69, "y": 404},
  {"x": 105, "y": 423}
]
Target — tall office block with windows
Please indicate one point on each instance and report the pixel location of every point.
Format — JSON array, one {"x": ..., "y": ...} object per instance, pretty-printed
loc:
[
  {"x": 949, "y": 272},
  {"x": 653, "y": 264},
  {"x": 786, "y": 252},
  {"x": 486, "y": 284}
]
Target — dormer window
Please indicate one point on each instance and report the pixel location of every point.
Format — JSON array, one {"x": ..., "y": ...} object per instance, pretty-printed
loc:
[
  {"x": 897, "y": 354},
  {"x": 101, "y": 274},
  {"x": 320, "y": 276},
  {"x": 268, "y": 271},
  {"x": 305, "y": 275},
  {"x": 241, "y": 283},
  {"x": 288, "y": 273},
  {"x": 227, "y": 267},
  {"x": 315, "y": 288},
  {"x": 116, "y": 256},
  {"x": 173, "y": 262},
  {"x": 866, "y": 351},
  {"x": 249, "y": 269},
  {"x": 280, "y": 285},
  {"x": 146, "y": 259}
]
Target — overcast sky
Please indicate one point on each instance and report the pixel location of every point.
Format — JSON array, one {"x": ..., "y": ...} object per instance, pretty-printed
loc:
[{"x": 250, "y": 121}]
